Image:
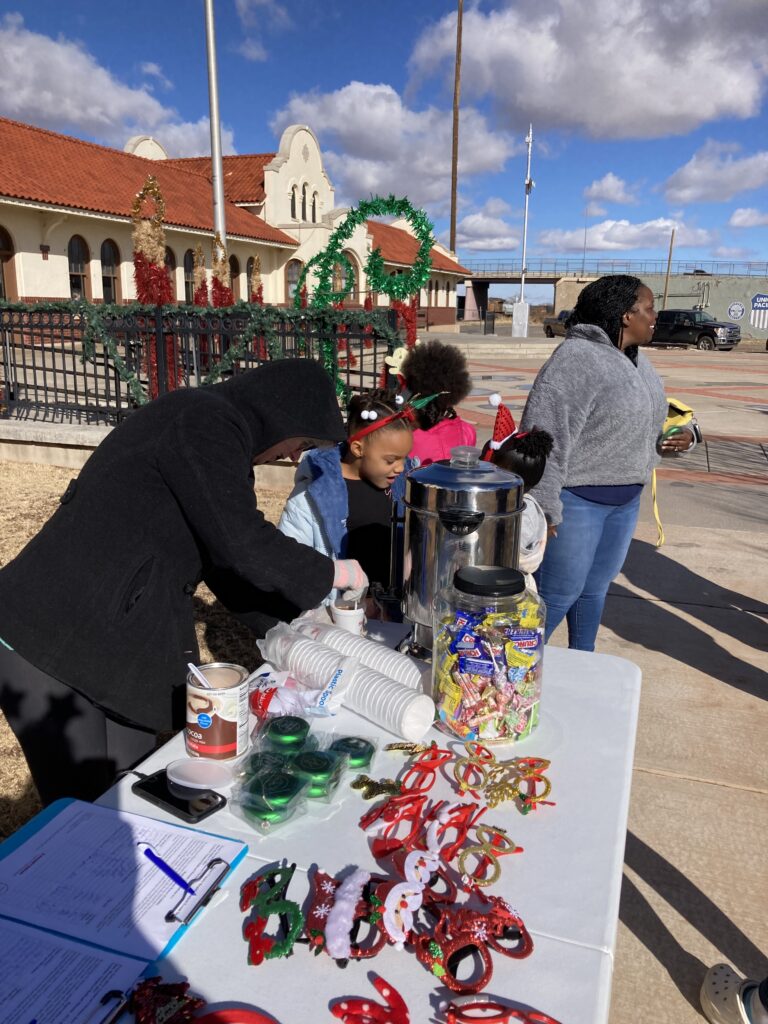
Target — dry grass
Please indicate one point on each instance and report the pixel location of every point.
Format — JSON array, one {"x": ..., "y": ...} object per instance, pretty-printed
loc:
[{"x": 29, "y": 496}]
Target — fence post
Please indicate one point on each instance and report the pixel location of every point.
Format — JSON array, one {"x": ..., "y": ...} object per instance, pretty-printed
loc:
[{"x": 162, "y": 358}]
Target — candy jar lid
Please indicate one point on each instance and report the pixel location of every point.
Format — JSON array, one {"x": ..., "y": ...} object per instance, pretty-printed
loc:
[{"x": 489, "y": 581}]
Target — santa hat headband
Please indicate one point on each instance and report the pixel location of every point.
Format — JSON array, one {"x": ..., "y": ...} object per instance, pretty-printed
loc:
[{"x": 504, "y": 425}]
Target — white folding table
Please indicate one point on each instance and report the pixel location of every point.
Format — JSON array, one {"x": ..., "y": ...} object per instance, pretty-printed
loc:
[{"x": 565, "y": 885}]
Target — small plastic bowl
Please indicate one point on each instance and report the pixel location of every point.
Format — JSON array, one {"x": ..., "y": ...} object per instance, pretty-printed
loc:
[{"x": 198, "y": 773}]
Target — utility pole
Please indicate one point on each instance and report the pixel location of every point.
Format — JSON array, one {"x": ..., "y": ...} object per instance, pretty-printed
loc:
[
  {"x": 217, "y": 171},
  {"x": 520, "y": 312},
  {"x": 455, "y": 149},
  {"x": 584, "y": 255},
  {"x": 669, "y": 267}
]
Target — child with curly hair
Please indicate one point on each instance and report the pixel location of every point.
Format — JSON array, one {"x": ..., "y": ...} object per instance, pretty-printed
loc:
[
  {"x": 525, "y": 454},
  {"x": 341, "y": 503},
  {"x": 429, "y": 368}
]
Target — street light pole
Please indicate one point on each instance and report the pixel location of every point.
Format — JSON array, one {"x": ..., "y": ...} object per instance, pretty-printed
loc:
[
  {"x": 584, "y": 255},
  {"x": 520, "y": 308},
  {"x": 528, "y": 189},
  {"x": 455, "y": 147},
  {"x": 217, "y": 169}
]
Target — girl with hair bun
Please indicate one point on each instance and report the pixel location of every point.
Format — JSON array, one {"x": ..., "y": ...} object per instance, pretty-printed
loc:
[
  {"x": 525, "y": 454},
  {"x": 341, "y": 503},
  {"x": 435, "y": 368}
]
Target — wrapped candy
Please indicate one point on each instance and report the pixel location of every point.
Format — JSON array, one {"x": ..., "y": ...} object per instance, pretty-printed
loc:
[{"x": 488, "y": 656}]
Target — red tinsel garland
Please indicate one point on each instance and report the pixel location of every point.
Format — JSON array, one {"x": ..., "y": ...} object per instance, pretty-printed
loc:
[
  {"x": 153, "y": 283},
  {"x": 200, "y": 298},
  {"x": 221, "y": 294}
]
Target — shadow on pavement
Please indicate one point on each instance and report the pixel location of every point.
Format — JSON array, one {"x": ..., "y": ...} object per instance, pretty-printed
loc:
[
  {"x": 650, "y": 625},
  {"x": 685, "y": 969}
]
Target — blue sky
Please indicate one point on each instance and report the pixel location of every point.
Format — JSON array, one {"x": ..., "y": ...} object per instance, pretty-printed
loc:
[{"x": 646, "y": 114}]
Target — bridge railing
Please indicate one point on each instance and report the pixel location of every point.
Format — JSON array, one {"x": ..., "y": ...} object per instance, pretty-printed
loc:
[{"x": 577, "y": 267}]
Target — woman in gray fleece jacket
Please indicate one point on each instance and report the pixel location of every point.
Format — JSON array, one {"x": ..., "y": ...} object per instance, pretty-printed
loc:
[{"x": 604, "y": 405}]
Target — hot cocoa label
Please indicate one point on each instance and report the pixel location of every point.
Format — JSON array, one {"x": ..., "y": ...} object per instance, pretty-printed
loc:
[{"x": 217, "y": 720}]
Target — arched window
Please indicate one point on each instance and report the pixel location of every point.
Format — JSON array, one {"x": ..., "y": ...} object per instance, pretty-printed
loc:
[
  {"x": 7, "y": 285},
  {"x": 110, "y": 271},
  {"x": 293, "y": 202},
  {"x": 314, "y": 208},
  {"x": 189, "y": 277},
  {"x": 292, "y": 273},
  {"x": 249, "y": 266},
  {"x": 234, "y": 276},
  {"x": 79, "y": 257},
  {"x": 340, "y": 279},
  {"x": 170, "y": 262},
  {"x": 303, "y": 202}
]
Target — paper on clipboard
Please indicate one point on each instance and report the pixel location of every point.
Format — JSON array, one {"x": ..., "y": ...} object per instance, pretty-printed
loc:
[
  {"x": 52, "y": 980},
  {"x": 83, "y": 875}
]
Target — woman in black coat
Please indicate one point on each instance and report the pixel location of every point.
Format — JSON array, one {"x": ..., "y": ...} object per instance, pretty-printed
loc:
[{"x": 96, "y": 623}]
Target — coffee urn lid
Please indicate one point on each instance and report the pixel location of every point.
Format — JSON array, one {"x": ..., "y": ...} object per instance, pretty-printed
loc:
[{"x": 464, "y": 481}]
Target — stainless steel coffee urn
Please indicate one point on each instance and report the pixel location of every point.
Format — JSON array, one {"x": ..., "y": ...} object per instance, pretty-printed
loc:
[{"x": 457, "y": 512}]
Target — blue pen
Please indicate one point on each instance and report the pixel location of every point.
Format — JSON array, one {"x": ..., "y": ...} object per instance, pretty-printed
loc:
[{"x": 168, "y": 870}]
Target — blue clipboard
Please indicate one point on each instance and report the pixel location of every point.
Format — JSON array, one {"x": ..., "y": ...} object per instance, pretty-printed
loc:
[{"x": 182, "y": 911}]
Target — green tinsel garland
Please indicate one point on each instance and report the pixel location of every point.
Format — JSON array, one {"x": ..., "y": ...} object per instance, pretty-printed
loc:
[
  {"x": 259, "y": 322},
  {"x": 399, "y": 287}
]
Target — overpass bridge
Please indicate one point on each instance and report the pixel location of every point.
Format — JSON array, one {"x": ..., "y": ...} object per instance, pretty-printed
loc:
[
  {"x": 737, "y": 290},
  {"x": 550, "y": 270}
]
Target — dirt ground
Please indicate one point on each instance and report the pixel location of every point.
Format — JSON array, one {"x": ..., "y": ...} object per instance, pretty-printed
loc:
[{"x": 30, "y": 495}]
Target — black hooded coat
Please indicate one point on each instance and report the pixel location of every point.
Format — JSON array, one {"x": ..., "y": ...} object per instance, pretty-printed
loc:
[{"x": 101, "y": 598}]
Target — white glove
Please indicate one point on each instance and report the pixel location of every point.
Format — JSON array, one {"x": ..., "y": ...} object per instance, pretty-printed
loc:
[{"x": 350, "y": 579}]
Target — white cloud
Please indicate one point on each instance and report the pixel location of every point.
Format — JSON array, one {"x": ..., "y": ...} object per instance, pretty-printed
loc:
[
  {"x": 610, "y": 189},
  {"x": 715, "y": 174},
  {"x": 748, "y": 217},
  {"x": 374, "y": 144},
  {"x": 636, "y": 69},
  {"x": 252, "y": 49},
  {"x": 152, "y": 70},
  {"x": 727, "y": 252},
  {"x": 593, "y": 209},
  {"x": 254, "y": 12},
  {"x": 486, "y": 231},
  {"x": 57, "y": 84},
  {"x": 617, "y": 235}
]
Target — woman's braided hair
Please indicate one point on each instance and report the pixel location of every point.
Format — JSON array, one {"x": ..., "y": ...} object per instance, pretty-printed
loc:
[
  {"x": 604, "y": 302},
  {"x": 434, "y": 367},
  {"x": 383, "y": 402}
]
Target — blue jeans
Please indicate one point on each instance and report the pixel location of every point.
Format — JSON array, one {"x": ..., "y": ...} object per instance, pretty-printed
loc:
[{"x": 581, "y": 561}]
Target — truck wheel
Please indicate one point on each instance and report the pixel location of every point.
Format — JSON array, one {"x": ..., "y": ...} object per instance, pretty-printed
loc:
[
  {"x": 549, "y": 332},
  {"x": 705, "y": 343}
]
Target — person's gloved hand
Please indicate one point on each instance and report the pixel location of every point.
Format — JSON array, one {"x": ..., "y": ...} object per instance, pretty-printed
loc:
[{"x": 350, "y": 579}]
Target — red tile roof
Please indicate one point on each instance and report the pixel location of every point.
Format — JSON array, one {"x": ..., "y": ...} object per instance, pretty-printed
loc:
[
  {"x": 398, "y": 246},
  {"x": 243, "y": 175},
  {"x": 44, "y": 167}
]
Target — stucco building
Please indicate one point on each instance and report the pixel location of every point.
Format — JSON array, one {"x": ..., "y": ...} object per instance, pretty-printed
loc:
[{"x": 65, "y": 220}]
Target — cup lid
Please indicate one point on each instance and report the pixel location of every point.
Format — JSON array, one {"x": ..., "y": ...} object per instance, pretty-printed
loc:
[
  {"x": 489, "y": 581},
  {"x": 199, "y": 773}
]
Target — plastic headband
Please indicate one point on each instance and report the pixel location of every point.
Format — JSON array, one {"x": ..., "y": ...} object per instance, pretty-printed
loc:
[{"x": 407, "y": 413}]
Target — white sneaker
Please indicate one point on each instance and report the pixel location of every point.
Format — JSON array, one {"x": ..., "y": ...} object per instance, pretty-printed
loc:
[{"x": 722, "y": 995}]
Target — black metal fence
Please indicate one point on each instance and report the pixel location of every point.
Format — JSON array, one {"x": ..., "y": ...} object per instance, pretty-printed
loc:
[{"x": 54, "y": 368}]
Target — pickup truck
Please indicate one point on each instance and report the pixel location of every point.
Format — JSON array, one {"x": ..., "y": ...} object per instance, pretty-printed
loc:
[
  {"x": 694, "y": 327},
  {"x": 556, "y": 324}
]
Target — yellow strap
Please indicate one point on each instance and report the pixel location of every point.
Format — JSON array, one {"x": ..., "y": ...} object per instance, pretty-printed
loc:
[{"x": 656, "y": 516}]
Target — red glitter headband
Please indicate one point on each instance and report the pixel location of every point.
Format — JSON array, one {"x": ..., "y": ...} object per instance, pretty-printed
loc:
[{"x": 407, "y": 413}]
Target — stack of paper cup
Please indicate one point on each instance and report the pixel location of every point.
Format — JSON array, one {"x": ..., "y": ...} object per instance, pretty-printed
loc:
[
  {"x": 368, "y": 652},
  {"x": 312, "y": 663},
  {"x": 390, "y": 704}
]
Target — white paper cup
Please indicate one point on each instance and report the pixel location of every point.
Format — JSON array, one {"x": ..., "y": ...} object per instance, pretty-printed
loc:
[
  {"x": 390, "y": 704},
  {"x": 368, "y": 652},
  {"x": 352, "y": 620}
]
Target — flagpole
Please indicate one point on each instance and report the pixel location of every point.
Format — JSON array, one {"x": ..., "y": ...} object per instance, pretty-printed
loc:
[{"x": 217, "y": 167}]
